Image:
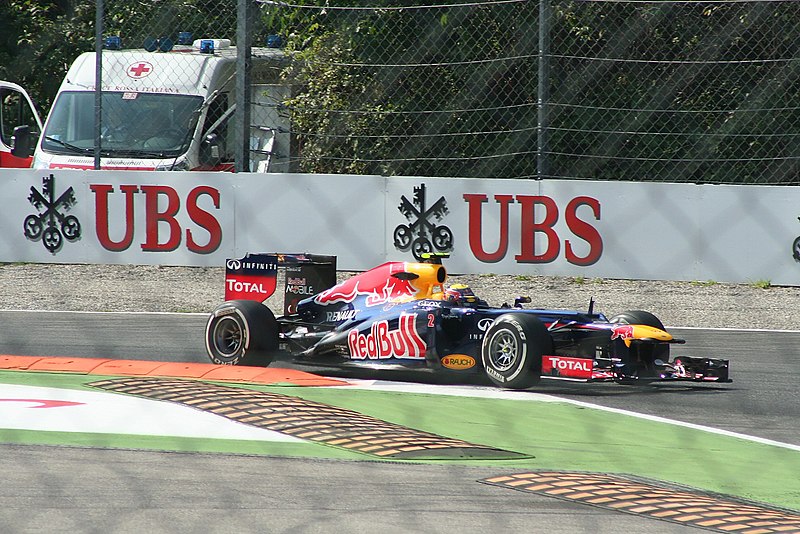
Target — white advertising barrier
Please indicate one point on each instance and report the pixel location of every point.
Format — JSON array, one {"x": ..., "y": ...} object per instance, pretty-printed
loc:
[
  {"x": 605, "y": 229},
  {"x": 187, "y": 218},
  {"x": 342, "y": 215},
  {"x": 566, "y": 228},
  {"x": 116, "y": 217}
]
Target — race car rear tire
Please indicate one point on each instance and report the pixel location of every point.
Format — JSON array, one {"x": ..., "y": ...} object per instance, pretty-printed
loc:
[
  {"x": 241, "y": 332},
  {"x": 512, "y": 349},
  {"x": 660, "y": 352}
]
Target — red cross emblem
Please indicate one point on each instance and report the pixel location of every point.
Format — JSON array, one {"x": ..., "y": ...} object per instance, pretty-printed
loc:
[{"x": 139, "y": 69}]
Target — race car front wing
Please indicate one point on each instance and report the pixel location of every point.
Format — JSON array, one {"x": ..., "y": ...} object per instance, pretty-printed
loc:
[{"x": 681, "y": 369}]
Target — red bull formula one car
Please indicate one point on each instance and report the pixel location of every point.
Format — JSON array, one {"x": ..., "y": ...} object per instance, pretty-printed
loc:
[{"x": 403, "y": 315}]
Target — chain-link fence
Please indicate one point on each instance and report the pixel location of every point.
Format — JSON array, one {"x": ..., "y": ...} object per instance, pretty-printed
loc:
[
  {"x": 613, "y": 90},
  {"x": 704, "y": 92},
  {"x": 599, "y": 90}
]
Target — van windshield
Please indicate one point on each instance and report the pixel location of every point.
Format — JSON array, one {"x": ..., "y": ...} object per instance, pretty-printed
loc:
[{"x": 143, "y": 125}]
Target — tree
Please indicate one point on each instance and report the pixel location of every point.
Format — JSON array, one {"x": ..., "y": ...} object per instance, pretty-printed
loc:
[
  {"x": 40, "y": 40},
  {"x": 417, "y": 91}
]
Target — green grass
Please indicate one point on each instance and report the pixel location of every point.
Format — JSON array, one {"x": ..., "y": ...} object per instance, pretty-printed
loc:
[
  {"x": 554, "y": 435},
  {"x": 707, "y": 283}
]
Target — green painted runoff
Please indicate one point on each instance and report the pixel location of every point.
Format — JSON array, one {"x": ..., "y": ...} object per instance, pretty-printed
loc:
[{"x": 554, "y": 435}]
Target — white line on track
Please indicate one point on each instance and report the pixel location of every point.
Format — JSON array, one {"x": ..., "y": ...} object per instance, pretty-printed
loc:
[
  {"x": 25, "y": 408},
  {"x": 89, "y": 312},
  {"x": 488, "y": 392}
]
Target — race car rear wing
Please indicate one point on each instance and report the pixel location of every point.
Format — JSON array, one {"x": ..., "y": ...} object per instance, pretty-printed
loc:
[{"x": 255, "y": 276}]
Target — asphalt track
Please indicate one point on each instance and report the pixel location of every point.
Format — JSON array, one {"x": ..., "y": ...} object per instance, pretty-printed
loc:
[
  {"x": 77, "y": 490},
  {"x": 762, "y": 400}
]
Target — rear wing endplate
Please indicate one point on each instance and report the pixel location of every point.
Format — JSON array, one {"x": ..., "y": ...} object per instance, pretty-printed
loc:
[{"x": 255, "y": 277}]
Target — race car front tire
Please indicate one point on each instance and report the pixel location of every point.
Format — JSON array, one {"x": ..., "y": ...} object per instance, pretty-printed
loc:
[
  {"x": 512, "y": 350},
  {"x": 241, "y": 332},
  {"x": 637, "y": 317}
]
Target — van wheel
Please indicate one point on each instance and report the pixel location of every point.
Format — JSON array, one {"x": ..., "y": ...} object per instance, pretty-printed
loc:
[
  {"x": 241, "y": 332},
  {"x": 512, "y": 350}
]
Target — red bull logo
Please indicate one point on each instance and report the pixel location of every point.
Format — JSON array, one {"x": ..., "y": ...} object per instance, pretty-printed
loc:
[
  {"x": 381, "y": 343},
  {"x": 622, "y": 331},
  {"x": 377, "y": 285}
]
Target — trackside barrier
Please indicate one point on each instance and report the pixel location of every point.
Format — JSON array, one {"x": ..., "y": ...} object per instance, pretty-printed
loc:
[{"x": 624, "y": 230}]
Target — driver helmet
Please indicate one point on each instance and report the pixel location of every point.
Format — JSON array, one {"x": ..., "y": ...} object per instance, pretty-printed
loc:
[{"x": 460, "y": 294}]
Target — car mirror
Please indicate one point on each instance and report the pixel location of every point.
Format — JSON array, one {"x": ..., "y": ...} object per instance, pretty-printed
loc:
[
  {"x": 21, "y": 142},
  {"x": 210, "y": 150}
]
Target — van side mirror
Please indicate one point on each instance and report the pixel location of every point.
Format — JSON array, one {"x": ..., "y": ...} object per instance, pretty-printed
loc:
[
  {"x": 21, "y": 142},
  {"x": 210, "y": 151}
]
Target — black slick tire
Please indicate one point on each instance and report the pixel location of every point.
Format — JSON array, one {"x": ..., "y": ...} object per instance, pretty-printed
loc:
[
  {"x": 241, "y": 332},
  {"x": 512, "y": 349},
  {"x": 660, "y": 352}
]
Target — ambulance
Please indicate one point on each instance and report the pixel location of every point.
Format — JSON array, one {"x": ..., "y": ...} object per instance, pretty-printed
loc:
[
  {"x": 166, "y": 107},
  {"x": 19, "y": 121}
]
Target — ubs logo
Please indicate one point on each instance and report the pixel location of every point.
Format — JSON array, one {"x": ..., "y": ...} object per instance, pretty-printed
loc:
[
  {"x": 422, "y": 235},
  {"x": 51, "y": 224}
]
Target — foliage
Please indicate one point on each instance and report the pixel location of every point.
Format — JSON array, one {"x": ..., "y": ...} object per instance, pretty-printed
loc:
[
  {"x": 687, "y": 93},
  {"x": 641, "y": 91},
  {"x": 40, "y": 41},
  {"x": 637, "y": 91},
  {"x": 410, "y": 91}
]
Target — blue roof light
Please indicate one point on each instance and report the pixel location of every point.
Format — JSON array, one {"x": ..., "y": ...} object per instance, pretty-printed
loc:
[
  {"x": 112, "y": 42},
  {"x": 207, "y": 46},
  {"x": 150, "y": 44},
  {"x": 165, "y": 44}
]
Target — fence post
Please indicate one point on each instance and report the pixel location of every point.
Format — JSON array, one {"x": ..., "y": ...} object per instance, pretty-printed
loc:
[
  {"x": 244, "y": 26},
  {"x": 98, "y": 81},
  {"x": 543, "y": 89}
]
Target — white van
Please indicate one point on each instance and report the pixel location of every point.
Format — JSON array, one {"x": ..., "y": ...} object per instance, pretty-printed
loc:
[
  {"x": 18, "y": 120},
  {"x": 165, "y": 111}
]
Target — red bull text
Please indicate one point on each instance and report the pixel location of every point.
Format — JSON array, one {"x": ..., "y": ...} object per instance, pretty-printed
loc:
[{"x": 381, "y": 343}]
